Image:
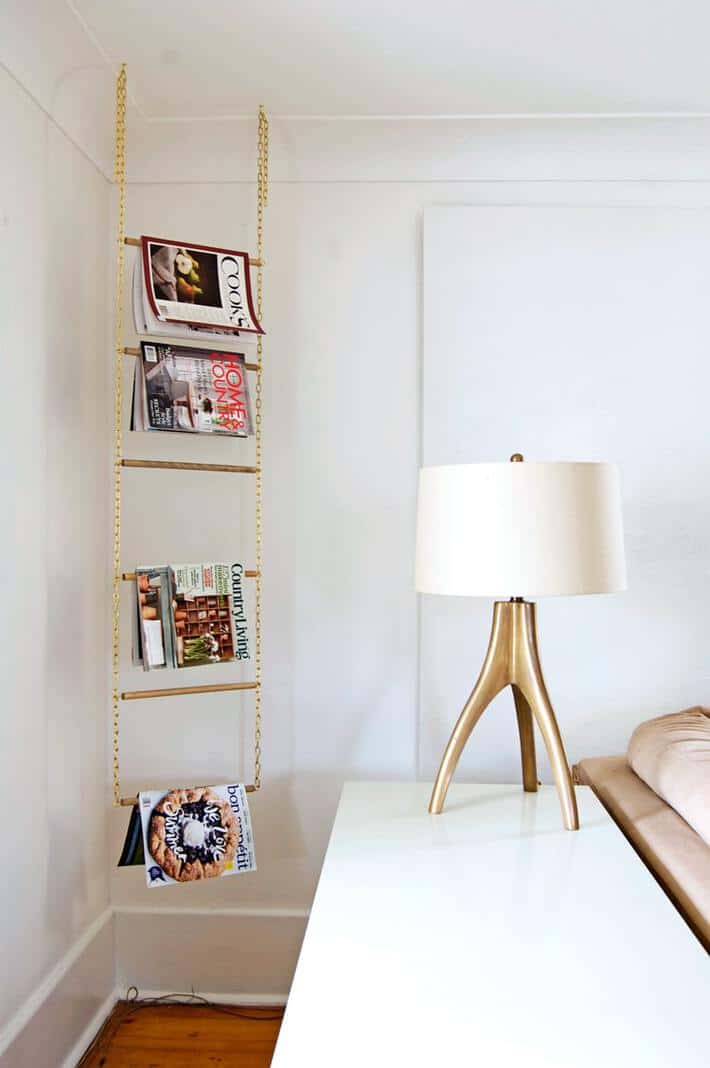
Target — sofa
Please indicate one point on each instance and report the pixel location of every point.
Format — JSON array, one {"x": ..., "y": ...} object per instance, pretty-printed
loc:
[{"x": 662, "y": 813}]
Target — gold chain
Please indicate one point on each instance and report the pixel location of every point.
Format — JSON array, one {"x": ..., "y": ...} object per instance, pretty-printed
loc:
[
  {"x": 120, "y": 180},
  {"x": 262, "y": 196}
]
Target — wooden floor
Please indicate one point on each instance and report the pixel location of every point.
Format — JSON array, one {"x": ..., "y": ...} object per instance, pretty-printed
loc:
[{"x": 185, "y": 1036}]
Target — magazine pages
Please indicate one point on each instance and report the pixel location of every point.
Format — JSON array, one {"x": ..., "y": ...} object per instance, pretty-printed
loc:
[
  {"x": 191, "y": 615},
  {"x": 195, "y": 286},
  {"x": 154, "y": 601},
  {"x": 195, "y": 834},
  {"x": 192, "y": 390}
]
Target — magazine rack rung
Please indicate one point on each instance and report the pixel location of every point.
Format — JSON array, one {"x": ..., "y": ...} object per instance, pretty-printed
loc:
[
  {"x": 181, "y": 465},
  {"x": 182, "y": 691},
  {"x": 131, "y": 350},
  {"x": 254, "y": 261},
  {"x": 129, "y": 802}
]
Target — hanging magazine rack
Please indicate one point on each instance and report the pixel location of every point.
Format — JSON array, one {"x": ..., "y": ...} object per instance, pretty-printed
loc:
[{"x": 119, "y": 462}]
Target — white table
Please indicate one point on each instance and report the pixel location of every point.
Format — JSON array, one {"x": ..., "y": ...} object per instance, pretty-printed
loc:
[{"x": 489, "y": 936}]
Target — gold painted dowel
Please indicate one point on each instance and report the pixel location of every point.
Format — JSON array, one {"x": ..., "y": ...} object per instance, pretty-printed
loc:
[
  {"x": 130, "y": 576},
  {"x": 136, "y": 242},
  {"x": 130, "y": 350},
  {"x": 129, "y": 802},
  {"x": 179, "y": 691},
  {"x": 179, "y": 465}
]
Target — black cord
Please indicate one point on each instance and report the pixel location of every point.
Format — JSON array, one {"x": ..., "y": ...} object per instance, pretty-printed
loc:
[{"x": 134, "y": 999}]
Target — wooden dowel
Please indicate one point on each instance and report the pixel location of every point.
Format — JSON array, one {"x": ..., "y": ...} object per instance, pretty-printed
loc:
[
  {"x": 136, "y": 241},
  {"x": 130, "y": 350},
  {"x": 129, "y": 802},
  {"x": 180, "y": 691},
  {"x": 130, "y": 576},
  {"x": 178, "y": 465}
]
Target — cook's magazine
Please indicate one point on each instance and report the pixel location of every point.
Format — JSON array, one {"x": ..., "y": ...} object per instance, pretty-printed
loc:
[{"x": 181, "y": 287}]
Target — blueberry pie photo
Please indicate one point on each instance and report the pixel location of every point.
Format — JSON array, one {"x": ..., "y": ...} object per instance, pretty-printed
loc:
[{"x": 196, "y": 833}]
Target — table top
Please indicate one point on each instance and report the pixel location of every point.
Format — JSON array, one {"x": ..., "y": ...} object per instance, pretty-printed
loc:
[{"x": 489, "y": 935}]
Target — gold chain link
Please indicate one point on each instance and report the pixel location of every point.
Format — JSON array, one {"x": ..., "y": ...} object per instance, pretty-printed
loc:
[
  {"x": 262, "y": 196},
  {"x": 120, "y": 180}
]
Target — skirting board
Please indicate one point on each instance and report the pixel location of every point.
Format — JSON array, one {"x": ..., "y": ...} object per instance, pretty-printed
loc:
[
  {"x": 71, "y": 1002},
  {"x": 240, "y": 955},
  {"x": 214, "y": 997},
  {"x": 246, "y": 956}
]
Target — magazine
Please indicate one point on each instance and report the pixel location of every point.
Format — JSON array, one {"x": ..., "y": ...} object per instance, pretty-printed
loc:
[
  {"x": 132, "y": 849},
  {"x": 154, "y": 587},
  {"x": 182, "y": 288},
  {"x": 194, "y": 834},
  {"x": 192, "y": 390},
  {"x": 191, "y": 615}
]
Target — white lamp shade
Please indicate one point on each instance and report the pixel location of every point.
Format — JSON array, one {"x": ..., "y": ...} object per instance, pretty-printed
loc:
[{"x": 520, "y": 530}]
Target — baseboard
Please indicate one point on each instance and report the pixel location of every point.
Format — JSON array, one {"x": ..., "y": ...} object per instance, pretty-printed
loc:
[
  {"x": 91, "y": 1030},
  {"x": 243, "y": 956},
  {"x": 73, "y": 1000},
  {"x": 218, "y": 998},
  {"x": 239, "y": 955}
]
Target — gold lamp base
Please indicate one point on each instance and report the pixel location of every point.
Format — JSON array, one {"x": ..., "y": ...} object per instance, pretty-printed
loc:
[{"x": 513, "y": 660}]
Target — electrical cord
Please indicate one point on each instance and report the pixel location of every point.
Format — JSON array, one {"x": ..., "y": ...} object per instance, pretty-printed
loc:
[
  {"x": 133, "y": 1002},
  {"x": 134, "y": 999}
]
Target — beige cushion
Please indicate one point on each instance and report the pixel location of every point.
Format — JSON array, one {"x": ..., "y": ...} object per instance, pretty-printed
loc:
[
  {"x": 672, "y": 756},
  {"x": 677, "y": 856}
]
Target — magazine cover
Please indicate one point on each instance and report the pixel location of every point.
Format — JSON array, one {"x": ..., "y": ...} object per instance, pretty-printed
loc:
[
  {"x": 198, "y": 285},
  {"x": 201, "y": 614},
  {"x": 192, "y": 390},
  {"x": 191, "y": 834},
  {"x": 154, "y": 587},
  {"x": 189, "y": 615},
  {"x": 147, "y": 323}
]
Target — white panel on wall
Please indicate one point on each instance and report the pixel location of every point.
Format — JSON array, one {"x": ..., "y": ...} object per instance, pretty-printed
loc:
[{"x": 575, "y": 333}]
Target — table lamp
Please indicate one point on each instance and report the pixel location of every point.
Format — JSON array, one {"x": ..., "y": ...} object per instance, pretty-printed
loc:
[{"x": 518, "y": 531}]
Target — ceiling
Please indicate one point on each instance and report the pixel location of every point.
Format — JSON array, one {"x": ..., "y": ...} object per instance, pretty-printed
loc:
[{"x": 209, "y": 58}]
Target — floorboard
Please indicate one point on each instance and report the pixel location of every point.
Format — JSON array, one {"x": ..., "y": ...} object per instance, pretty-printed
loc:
[{"x": 185, "y": 1036}]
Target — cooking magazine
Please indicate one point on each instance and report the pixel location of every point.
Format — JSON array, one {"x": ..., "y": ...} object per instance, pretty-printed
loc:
[{"x": 196, "y": 286}]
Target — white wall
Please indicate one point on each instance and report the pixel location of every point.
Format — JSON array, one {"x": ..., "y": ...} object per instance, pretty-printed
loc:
[
  {"x": 342, "y": 436},
  {"x": 55, "y": 927},
  {"x": 568, "y": 333}
]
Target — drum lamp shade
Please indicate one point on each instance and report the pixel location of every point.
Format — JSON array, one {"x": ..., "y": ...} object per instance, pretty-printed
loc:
[{"x": 520, "y": 530}]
